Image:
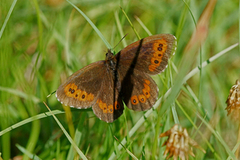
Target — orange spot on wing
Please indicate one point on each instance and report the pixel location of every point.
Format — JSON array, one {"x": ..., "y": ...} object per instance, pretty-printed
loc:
[
  {"x": 77, "y": 93},
  {"x": 134, "y": 100},
  {"x": 110, "y": 109},
  {"x": 156, "y": 61},
  {"x": 146, "y": 87},
  {"x": 105, "y": 109},
  {"x": 90, "y": 97},
  {"x": 71, "y": 90},
  {"x": 152, "y": 67},
  {"x": 158, "y": 55},
  {"x": 99, "y": 102},
  {"x": 142, "y": 98},
  {"x": 146, "y": 93},
  {"x": 160, "y": 46},
  {"x": 102, "y": 106},
  {"x": 117, "y": 105},
  {"x": 83, "y": 96},
  {"x": 147, "y": 81}
]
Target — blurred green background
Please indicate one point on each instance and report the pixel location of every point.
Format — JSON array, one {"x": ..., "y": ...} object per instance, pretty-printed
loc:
[{"x": 44, "y": 42}]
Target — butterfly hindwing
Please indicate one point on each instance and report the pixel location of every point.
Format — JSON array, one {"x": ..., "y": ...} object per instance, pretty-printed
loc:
[
  {"x": 138, "y": 89},
  {"x": 109, "y": 105}
]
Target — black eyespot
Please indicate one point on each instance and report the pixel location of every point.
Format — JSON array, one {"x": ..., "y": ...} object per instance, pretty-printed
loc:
[
  {"x": 72, "y": 91},
  {"x": 156, "y": 61},
  {"x": 83, "y": 96}
]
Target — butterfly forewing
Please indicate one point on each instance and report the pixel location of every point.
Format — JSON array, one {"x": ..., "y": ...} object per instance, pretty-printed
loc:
[
  {"x": 78, "y": 91},
  {"x": 150, "y": 54}
]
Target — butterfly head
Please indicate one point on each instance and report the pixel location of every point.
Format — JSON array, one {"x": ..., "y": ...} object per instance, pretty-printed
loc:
[{"x": 109, "y": 55}]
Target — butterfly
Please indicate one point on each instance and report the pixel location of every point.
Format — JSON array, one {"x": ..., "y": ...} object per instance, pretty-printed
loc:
[{"x": 122, "y": 78}]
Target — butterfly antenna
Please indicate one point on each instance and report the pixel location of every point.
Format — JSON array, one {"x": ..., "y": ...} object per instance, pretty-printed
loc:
[{"x": 120, "y": 41}]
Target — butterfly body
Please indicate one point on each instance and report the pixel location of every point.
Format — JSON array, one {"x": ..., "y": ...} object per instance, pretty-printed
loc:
[{"x": 123, "y": 77}]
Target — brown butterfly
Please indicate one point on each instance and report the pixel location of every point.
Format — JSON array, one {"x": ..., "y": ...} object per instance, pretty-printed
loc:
[{"x": 123, "y": 77}]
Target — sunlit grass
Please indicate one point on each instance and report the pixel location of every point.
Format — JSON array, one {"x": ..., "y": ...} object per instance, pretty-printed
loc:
[{"x": 43, "y": 42}]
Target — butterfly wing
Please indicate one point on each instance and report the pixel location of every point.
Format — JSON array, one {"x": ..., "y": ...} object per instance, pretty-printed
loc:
[
  {"x": 109, "y": 105},
  {"x": 92, "y": 86},
  {"x": 136, "y": 62},
  {"x": 96, "y": 85},
  {"x": 149, "y": 55},
  {"x": 78, "y": 91},
  {"x": 138, "y": 89}
]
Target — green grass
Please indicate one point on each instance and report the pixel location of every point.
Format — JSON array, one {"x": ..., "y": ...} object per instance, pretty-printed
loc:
[{"x": 41, "y": 44}]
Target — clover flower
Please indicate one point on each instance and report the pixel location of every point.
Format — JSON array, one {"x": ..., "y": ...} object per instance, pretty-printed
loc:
[
  {"x": 233, "y": 100},
  {"x": 178, "y": 143}
]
